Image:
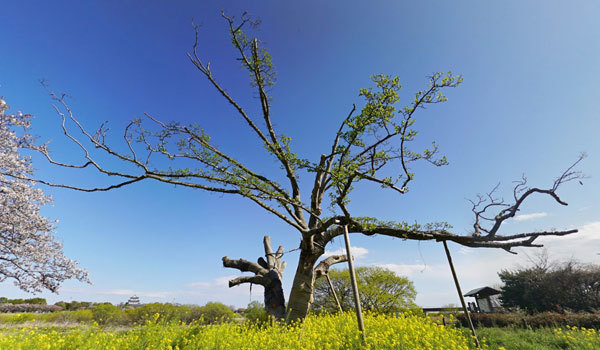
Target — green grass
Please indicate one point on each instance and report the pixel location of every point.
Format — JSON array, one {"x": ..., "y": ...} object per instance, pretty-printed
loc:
[{"x": 512, "y": 338}]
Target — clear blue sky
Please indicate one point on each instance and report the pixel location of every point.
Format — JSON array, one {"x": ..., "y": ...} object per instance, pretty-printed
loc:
[{"x": 529, "y": 104}]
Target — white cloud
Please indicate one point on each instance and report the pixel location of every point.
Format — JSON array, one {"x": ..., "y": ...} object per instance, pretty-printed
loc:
[
  {"x": 217, "y": 282},
  {"x": 199, "y": 284},
  {"x": 208, "y": 287},
  {"x": 357, "y": 252},
  {"x": 116, "y": 292},
  {"x": 406, "y": 270},
  {"x": 120, "y": 292},
  {"x": 223, "y": 281},
  {"x": 589, "y": 231},
  {"x": 532, "y": 216},
  {"x": 465, "y": 250},
  {"x": 199, "y": 292},
  {"x": 584, "y": 245}
]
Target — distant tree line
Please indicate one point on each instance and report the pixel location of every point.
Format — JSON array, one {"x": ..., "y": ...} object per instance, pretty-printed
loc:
[
  {"x": 109, "y": 314},
  {"x": 74, "y": 305},
  {"x": 35, "y": 301}
]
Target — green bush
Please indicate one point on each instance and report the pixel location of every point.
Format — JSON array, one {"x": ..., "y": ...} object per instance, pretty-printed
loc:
[
  {"x": 214, "y": 312},
  {"x": 191, "y": 314},
  {"x": 552, "y": 286},
  {"x": 107, "y": 314},
  {"x": 147, "y": 312},
  {"x": 256, "y": 312}
]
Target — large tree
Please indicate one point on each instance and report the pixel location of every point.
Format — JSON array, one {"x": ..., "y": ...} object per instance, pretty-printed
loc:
[
  {"x": 371, "y": 144},
  {"x": 381, "y": 290},
  {"x": 29, "y": 253}
]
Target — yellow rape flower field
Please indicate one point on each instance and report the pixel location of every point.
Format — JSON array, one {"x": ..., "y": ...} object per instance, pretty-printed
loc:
[{"x": 316, "y": 332}]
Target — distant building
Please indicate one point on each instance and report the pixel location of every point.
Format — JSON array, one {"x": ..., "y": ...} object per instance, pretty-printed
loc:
[
  {"x": 487, "y": 299},
  {"x": 134, "y": 301}
]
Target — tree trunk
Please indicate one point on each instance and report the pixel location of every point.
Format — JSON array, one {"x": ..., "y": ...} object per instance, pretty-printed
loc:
[
  {"x": 274, "y": 298},
  {"x": 267, "y": 273},
  {"x": 302, "y": 288}
]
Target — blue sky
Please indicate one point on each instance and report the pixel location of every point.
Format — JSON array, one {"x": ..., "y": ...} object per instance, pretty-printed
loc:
[{"x": 529, "y": 104}]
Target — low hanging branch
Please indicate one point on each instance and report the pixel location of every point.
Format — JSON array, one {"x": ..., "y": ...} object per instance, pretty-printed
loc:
[
  {"x": 322, "y": 268},
  {"x": 440, "y": 231}
]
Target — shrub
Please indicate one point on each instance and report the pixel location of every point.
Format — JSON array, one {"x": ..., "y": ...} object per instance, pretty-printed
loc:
[
  {"x": 552, "y": 287},
  {"x": 256, "y": 312},
  {"x": 147, "y": 312},
  {"x": 191, "y": 314},
  {"x": 214, "y": 312},
  {"x": 107, "y": 314}
]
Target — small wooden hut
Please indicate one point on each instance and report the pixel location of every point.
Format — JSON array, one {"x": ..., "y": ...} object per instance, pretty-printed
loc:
[{"x": 487, "y": 299}]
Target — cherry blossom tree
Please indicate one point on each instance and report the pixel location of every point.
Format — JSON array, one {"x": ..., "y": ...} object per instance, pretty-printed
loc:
[{"x": 29, "y": 253}]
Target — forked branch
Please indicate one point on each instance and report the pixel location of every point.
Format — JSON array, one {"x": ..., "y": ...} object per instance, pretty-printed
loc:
[{"x": 520, "y": 193}]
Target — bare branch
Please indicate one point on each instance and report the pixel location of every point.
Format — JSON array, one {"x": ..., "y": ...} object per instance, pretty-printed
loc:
[
  {"x": 520, "y": 193},
  {"x": 244, "y": 266},
  {"x": 323, "y": 267},
  {"x": 505, "y": 242},
  {"x": 261, "y": 280}
]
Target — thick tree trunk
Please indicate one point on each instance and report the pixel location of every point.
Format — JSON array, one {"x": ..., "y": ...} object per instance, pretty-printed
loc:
[
  {"x": 267, "y": 273},
  {"x": 274, "y": 298},
  {"x": 302, "y": 288}
]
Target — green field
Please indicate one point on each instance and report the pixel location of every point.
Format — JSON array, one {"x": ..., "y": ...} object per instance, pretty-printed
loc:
[{"x": 316, "y": 332}]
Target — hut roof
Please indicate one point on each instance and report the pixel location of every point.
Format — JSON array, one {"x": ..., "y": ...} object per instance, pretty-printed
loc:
[{"x": 483, "y": 292}]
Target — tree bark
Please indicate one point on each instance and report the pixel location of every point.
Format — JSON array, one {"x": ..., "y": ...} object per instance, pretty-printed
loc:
[
  {"x": 301, "y": 295},
  {"x": 274, "y": 298}
]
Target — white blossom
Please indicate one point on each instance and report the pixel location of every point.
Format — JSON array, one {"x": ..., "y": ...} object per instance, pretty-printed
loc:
[{"x": 29, "y": 253}]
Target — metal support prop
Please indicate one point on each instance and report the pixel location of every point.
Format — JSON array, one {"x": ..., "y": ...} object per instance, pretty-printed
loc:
[
  {"x": 359, "y": 318},
  {"x": 337, "y": 301},
  {"x": 462, "y": 299}
]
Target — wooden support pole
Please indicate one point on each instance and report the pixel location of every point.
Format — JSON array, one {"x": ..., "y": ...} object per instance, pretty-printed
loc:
[
  {"x": 337, "y": 301},
  {"x": 359, "y": 318},
  {"x": 462, "y": 299}
]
